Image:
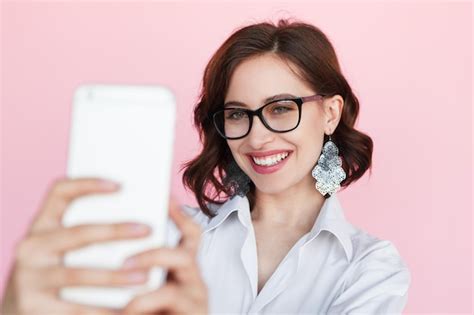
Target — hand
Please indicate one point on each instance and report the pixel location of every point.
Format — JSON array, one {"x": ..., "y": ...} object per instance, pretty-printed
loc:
[
  {"x": 184, "y": 290},
  {"x": 38, "y": 273}
]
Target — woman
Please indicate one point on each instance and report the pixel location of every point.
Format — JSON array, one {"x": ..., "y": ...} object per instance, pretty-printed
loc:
[{"x": 276, "y": 118}]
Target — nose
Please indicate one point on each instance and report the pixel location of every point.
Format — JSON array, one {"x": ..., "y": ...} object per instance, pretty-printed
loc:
[{"x": 259, "y": 134}]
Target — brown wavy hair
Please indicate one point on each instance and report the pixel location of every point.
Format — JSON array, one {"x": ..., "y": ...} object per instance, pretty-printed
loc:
[{"x": 307, "y": 47}]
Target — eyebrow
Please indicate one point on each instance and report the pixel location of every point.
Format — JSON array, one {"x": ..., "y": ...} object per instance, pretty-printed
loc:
[{"x": 265, "y": 101}]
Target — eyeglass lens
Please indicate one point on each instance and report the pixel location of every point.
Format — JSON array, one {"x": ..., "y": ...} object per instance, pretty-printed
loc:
[{"x": 280, "y": 115}]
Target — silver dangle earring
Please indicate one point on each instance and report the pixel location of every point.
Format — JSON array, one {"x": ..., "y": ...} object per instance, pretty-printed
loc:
[
  {"x": 236, "y": 180},
  {"x": 328, "y": 171}
]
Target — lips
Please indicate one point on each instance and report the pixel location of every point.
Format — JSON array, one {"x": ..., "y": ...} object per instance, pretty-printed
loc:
[
  {"x": 267, "y": 153},
  {"x": 271, "y": 161}
]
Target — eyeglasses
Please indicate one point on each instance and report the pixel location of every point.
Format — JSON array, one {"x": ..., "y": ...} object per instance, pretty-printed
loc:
[{"x": 280, "y": 116}]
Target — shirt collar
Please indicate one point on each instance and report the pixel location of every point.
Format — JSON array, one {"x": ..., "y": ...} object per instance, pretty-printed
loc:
[
  {"x": 331, "y": 218},
  {"x": 236, "y": 203}
]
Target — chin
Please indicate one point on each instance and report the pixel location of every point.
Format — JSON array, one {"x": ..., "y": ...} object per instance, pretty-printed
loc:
[{"x": 272, "y": 188}]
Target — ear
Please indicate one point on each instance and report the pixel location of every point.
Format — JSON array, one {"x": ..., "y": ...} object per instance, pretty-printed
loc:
[{"x": 332, "y": 113}]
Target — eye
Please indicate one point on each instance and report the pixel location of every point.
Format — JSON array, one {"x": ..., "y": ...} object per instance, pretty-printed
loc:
[
  {"x": 235, "y": 115},
  {"x": 280, "y": 109}
]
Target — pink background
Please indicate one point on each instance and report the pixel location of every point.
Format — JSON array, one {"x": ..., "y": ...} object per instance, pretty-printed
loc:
[{"x": 409, "y": 63}]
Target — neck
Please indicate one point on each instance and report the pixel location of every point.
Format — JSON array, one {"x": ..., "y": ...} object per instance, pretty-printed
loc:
[{"x": 296, "y": 207}]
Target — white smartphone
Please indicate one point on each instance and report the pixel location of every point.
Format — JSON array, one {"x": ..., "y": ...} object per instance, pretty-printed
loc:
[{"x": 122, "y": 133}]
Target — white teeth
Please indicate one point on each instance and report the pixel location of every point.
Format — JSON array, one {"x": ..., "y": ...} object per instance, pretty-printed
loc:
[{"x": 270, "y": 160}]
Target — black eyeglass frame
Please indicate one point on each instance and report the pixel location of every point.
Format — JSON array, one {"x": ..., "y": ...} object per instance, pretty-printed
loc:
[{"x": 258, "y": 112}]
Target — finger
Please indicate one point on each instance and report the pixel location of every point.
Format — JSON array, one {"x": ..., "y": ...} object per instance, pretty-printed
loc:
[
  {"x": 61, "y": 193},
  {"x": 67, "y": 308},
  {"x": 180, "y": 261},
  {"x": 166, "y": 298},
  {"x": 58, "y": 277},
  {"x": 87, "y": 234},
  {"x": 190, "y": 231},
  {"x": 47, "y": 247}
]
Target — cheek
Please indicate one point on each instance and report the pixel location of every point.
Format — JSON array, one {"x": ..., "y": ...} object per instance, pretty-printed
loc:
[
  {"x": 308, "y": 139},
  {"x": 234, "y": 146},
  {"x": 312, "y": 121}
]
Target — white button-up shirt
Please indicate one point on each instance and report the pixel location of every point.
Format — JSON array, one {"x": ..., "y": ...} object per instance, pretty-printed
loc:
[{"x": 336, "y": 268}]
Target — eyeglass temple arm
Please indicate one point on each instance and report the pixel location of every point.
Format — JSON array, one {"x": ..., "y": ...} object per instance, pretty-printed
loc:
[{"x": 312, "y": 97}]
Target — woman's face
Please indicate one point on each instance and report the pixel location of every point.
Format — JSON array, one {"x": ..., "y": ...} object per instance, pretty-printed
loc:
[{"x": 257, "y": 79}]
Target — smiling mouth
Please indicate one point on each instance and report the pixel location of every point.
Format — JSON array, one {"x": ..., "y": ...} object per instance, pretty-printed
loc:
[{"x": 270, "y": 160}]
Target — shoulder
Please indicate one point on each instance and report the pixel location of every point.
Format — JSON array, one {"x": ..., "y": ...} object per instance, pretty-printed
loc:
[
  {"x": 375, "y": 258},
  {"x": 377, "y": 279},
  {"x": 367, "y": 247}
]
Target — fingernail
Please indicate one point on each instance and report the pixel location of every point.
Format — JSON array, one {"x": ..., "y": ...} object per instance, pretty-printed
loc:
[
  {"x": 109, "y": 184},
  {"x": 129, "y": 263},
  {"x": 137, "y": 276}
]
